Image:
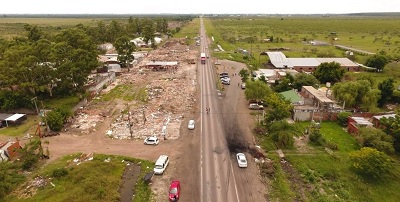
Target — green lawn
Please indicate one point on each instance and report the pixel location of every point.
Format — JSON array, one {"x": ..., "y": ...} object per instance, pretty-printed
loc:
[{"x": 333, "y": 133}]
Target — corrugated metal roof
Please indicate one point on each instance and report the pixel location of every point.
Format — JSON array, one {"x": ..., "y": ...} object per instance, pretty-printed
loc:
[
  {"x": 341, "y": 61},
  {"x": 278, "y": 59},
  {"x": 361, "y": 121},
  {"x": 15, "y": 117},
  {"x": 303, "y": 62},
  {"x": 386, "y": 115},
  {"x": 318, "y": 94},
  {"x": 157, "y": 63}
]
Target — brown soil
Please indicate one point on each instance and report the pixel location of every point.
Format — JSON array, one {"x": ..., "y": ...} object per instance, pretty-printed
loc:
[{"x": 129, "y": 179}]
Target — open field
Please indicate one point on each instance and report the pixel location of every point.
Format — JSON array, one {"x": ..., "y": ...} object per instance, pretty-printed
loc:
[
  {"x": 13, "y": 27},
  {"x": 365, "y": 33}
]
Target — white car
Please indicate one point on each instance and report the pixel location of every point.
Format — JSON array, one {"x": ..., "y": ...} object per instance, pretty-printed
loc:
[
  {"x": 152, "y": 140},
  {"x": 191, "y": 125},
  {"x": 241, "y": 159}
]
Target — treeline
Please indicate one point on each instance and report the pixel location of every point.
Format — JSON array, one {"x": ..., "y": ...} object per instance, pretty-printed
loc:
[{"x": 45, "y": 65}]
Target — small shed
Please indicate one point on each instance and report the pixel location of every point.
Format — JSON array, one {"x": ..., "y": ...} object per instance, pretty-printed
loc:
[
  {"x": 354, "y": 123},
  {"x": 376, "y": 119},
  {"x": 15, "y": 119}
]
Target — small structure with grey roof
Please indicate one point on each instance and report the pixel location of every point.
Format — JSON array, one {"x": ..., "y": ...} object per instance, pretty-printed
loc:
[
  {"x": 376, "y": 120},
  {"x": 316, "y": 98},
  {"x": 354, "y": 123}
]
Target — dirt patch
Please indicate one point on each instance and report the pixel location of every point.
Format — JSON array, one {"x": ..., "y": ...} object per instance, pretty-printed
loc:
[{"x": 129, "y": 179}]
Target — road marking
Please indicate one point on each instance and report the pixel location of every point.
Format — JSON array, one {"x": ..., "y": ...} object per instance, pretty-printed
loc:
[{"x": 234, "y": 182}]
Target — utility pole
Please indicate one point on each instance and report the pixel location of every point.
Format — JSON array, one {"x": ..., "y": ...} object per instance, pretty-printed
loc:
[
  {"x": 129, "y": 121},
  {"x": 34, "y": 102}
]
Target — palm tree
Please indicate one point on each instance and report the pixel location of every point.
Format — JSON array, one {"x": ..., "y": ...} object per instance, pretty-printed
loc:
[{"x": 282, "y": 133}]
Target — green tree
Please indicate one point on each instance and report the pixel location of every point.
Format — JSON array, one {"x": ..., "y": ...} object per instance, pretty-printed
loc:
[
  {"x": 329, "y": 72},
  {"x": 148, "y": 31},
  {"x": 278, "y": 108},
  {"x": 391, "y": 126},
  {"x": 304, "y": 79},
  {"x": 244, "y": 73},
  {"x": 31, "y": 153},
  {"x": 342, "y": 118},
  {"x": 376, "y": 138},
  {"x": 34, "y": 33},
  {"x": 386, "y": 88},
  {"x": 377, "y": 61},
  {"x": 354, "y": 94},
  {"x": 284, "y": 84},
  {"x": 125, "y": 48},
  {"x": 256, "y": 90},
  {"x": 55, "y": 120},
  {"x": 370, "y": 163},
  {"x": 282, "y": 133}
]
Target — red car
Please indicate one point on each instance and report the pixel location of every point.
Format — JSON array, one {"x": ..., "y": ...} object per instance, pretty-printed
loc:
[{"x": 174, "y": 190}]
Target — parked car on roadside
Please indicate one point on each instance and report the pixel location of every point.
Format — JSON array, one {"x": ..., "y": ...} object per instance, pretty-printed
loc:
[
  {"x": 152, "y": 140},
  {"x": 241, "y": 159},
  {"x": 243, "y": 86},
  {"x": 191, "y": 125},
  {"x": 174, "y": 190},
  {"x": 161, "y": 164}
]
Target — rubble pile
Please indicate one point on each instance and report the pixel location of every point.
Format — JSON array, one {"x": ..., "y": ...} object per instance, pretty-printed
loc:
[
  {"x": 86, "y": 121},
  {"x": 171, "y": 95},
  {"x": 32, "y": 186}
]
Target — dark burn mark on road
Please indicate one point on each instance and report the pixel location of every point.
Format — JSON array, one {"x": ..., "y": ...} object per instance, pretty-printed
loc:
[{"x": 233, "y": 134}]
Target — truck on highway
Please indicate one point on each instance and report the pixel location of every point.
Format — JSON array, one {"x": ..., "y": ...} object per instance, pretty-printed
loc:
[{"x": 203, "y": 58}]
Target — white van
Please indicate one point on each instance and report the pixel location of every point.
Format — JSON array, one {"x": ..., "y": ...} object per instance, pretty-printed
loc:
[{"x": 161, "y": 164}]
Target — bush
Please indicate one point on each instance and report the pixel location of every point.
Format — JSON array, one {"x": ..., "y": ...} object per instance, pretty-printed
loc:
[
  {"x": 342, "y": 118},
  {"x": 55, "y": 120},
  {"x": 60, "y": 172},
  {"x": 332, "y": 146}
]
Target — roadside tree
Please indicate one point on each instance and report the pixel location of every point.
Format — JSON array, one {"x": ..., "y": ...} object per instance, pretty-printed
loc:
[
  {"x": 371, "y": 163},
  {"x": 244, "y": 73},
  {"x": 329, "y": 72},
  {"x": 256, "y": 90}
]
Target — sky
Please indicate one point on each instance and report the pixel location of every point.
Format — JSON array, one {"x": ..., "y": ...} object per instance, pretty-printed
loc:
[{"x": 197, "y": 7}]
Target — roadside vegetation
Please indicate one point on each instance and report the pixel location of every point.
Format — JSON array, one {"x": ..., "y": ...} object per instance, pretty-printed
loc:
[{"x": 98, "y": 179}]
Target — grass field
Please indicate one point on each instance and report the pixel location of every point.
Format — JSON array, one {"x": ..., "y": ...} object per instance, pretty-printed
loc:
[
  {"x": 94, "y": 180},
  {"x": 13, "y": 27},
  {"x": 328, "y": 176},
  {"x": 369, "y": 34}
]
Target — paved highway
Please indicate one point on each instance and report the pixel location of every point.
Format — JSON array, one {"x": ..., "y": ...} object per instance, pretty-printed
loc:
[{"x": 217, "y": 180}]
